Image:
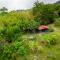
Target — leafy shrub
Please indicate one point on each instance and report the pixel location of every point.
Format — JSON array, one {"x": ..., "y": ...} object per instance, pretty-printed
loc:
[
  {"x": 17, "y": 48},
  {"x": 51, "y": 39},
  {"x": 13, "y": 24}
]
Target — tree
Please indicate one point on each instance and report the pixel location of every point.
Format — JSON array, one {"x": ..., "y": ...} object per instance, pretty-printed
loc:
[
  {"x": 4, "y": 9},
  {"x": 44, "y": 13}
]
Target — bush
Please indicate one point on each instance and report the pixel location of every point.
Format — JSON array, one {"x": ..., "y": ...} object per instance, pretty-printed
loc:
[
  {"x": 13, "y": 24},
  {"x": 50, "y": 39},
  {"x": 17, "y": 48}
]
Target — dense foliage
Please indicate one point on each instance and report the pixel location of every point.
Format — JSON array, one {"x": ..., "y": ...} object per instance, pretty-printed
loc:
[
  {"x": 46, "y": 13},
  {"x": 14, "y": 25}
]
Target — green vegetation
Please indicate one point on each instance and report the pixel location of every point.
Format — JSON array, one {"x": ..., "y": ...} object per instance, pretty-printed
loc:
[{"x": 16, "y": 42}]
